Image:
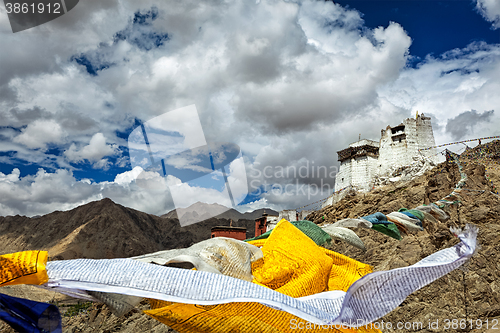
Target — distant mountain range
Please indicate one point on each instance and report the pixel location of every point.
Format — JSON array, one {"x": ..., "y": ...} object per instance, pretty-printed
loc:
[
  {"x": 204, "y": 211},
  {"x": 104, "y": 229}
]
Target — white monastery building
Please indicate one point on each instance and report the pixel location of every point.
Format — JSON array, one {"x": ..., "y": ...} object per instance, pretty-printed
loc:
[{"x": 365, "y": 159}]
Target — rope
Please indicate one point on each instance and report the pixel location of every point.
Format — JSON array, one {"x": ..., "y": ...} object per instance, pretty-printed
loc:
[
  {"x": 324, "y": 199},
  {"x": 453, "y": 143},
  {"x": 312, "y": 203}
]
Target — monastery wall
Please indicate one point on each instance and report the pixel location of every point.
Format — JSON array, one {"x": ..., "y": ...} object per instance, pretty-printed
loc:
[
  {"x": 363, "y": 170},
  {"x": 360, "y": 167},
  {"x": 426, "y": 138},
  {"x": 343, "y": 177},
  {"x": 398, "y": 146},
  {"x": 289, "y": 214}
]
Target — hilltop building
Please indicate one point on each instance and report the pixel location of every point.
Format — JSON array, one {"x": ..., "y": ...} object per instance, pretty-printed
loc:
[
  {"x": 365, "y": 160},
  {"x": 230, "y": 232},
  {"x": 268, "y": 222}
]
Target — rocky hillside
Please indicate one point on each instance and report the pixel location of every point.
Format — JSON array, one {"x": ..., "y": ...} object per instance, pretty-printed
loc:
[
  {"x": 473, "y": 293},
  {"x": 101, "y": 229}
]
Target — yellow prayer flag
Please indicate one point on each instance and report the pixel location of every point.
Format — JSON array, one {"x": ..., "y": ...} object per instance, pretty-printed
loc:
[
  {"x": 27, "y": 267},
  {"x": 293, "y": 265}
]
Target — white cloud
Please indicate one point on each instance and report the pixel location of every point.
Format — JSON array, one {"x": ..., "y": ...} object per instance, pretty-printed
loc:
[
  {"x": 490, "y": 9},
  {"x": 295, "y": 98},
  {"x": 45, "y": 192},
  {"x": 103, "y": 164},
  {"x": 289, "y": 83},
  {"x": 184, "y": 195},
  {"x": 461, "y": 80},
  {"x": 254, "y": 205},
  {"x": 269, "y": 48},
  {"x": 237, "y": 179},
  {"x": 39, "y": 133},
  {"x": 128, "y": 176},
  {"x": 12, "y": 177},
  {"x": 93, "y": 152}
]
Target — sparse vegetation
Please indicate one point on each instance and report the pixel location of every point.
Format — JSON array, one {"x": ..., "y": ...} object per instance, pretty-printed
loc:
[{"x": 76, "y": 309}]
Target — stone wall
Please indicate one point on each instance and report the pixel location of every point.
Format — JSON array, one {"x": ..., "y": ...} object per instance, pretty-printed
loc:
[
  {"x": 360, "y": 167},
  {"x": 343, "y": 177},
  {"x": 289, "y": 215},
  {"x": 363, "y": 170},
  {"x": 398, "y": 145},
  {"x": 337, "y": 196},
  {"x": 426, "y": 138}
]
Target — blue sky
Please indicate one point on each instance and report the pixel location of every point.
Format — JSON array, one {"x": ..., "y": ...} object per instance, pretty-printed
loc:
[
  {"x": 287, "y": 82},
  {"x": 434, "y": 26}
]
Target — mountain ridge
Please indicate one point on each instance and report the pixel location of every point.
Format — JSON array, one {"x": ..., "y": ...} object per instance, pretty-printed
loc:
[
  {"x": 472, "y": 293},
  {"x": 103, "y": 229},
  {"x": 216, "y": 211}
]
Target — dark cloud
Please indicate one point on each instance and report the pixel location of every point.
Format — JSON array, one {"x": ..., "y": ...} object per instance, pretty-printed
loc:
[
  {"x": 290, "y": 84},
  {"x": 462, "y": 124},
  {"x": 76, "y": 121},
  {"x": 139, "y": 32},
  {"x": 17, "y": 118}
]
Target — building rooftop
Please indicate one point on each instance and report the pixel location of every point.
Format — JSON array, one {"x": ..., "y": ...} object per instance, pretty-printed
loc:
[
  {"x": 365, "y": 142},
  {"x": 366, "y": 148},
  {"x": 228, "y": 228}
]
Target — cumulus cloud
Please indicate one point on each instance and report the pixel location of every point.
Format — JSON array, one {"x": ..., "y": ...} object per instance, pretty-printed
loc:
[
  {"x": 257, "y": 204},
  {"x": 203, "y": 65},
  {"x": 290, "y": 83},
  {"x": 12, "y": 177},
  {"x": 39, "y": 133},
  {"x": 93, "y": 152},
  {"x": 490, "y": 9},
  {"x": 149, "y": 192},
  {"x": 45, "y": 192},
  {"x": 128, "y": 177},
  {"x": 350, "y": 74},
  {"x": 444, "y": 87}
]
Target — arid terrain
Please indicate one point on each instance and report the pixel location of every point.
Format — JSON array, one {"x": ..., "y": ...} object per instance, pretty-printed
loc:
[
  {"x": 472, "y": 293},
  {"x": 104, "y": 230}
]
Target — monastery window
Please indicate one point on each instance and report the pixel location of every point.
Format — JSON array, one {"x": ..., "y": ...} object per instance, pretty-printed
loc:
[
  {"x": 399, "y": 128},
  {"x": 399, "y": 138}
]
